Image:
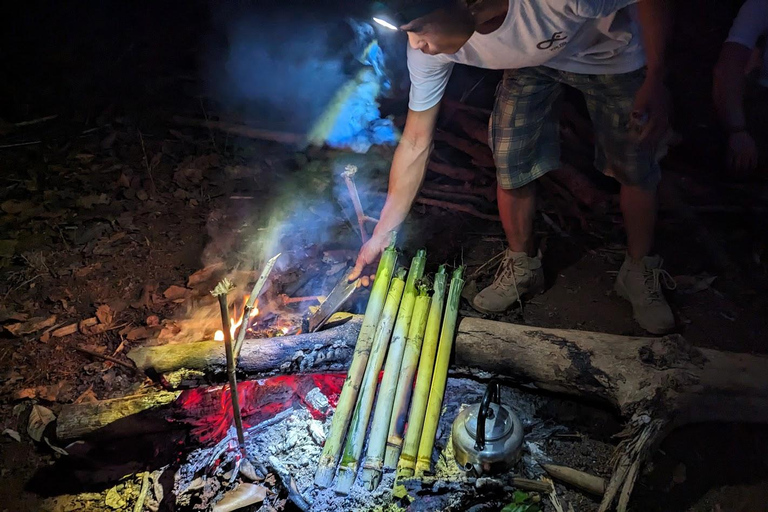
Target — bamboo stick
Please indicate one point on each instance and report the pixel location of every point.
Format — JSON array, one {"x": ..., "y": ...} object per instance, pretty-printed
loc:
[
  {"x": 357, "y": 428},
  {"x": 380, "y": 425},
  {"x": 407, "y": 462},
  {"x": 405, "y": 379},
  {"x": 332, "y": 448},
  {"x": 220, "y": 292},
  {"x": 440, "y": 375},
  {"x": 260, "y": 282}
]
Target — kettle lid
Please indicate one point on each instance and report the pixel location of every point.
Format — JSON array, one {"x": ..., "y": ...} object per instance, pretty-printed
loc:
[{"x": 498, "y": 424}]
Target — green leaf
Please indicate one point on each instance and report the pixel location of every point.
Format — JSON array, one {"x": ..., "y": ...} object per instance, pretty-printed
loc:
[{"x": 521, "y": 503}]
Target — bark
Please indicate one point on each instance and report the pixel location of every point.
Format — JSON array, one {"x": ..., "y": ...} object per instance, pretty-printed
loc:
[{"x": 78, "y": 420}]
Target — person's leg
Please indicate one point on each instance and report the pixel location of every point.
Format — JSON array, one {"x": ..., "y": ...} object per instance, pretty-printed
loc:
[
  {"x": 638, "y": 206},
  {"x": 610, "y": 100},
  {"x": 524, "y": 137},
  {"x": 517, "y": 208}
]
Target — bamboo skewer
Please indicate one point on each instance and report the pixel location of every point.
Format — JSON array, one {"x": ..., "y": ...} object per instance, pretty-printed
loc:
[
  {"x": 405, "y": 379},
  {"x": 333, "y": 443},
  {"x": 252, "y": 301},
  {"x": 220, "y": 292},
  {"x": 440, "y": 375},
  {"x": 379, "y": 427},
  {"x": 359, "y": 425},
  {"x": 407, "y": 462}
]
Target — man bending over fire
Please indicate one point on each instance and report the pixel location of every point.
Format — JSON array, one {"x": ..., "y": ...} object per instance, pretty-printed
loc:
[{"x": 612, "y": 51}]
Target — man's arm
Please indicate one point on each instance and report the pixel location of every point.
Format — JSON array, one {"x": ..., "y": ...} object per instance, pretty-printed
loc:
[
  {"x": 728, "y": 95},
  {"x": 406, "y": 175},
  {"x": 653, "y": 97}
]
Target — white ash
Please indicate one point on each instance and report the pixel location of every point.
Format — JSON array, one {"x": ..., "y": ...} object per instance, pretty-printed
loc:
[{"x": 295, "y": 439}]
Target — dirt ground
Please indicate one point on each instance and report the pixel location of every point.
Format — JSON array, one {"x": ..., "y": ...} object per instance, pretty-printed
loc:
[{"x": 112, "y": 207}]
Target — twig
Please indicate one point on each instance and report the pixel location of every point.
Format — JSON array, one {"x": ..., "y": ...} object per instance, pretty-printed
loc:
[
  {"x": 139, "y": 506},
  {"x": 146, "y": 162},
  {"x": 210, "y": 131},
  {"x": 457, "y": 207},
  {"x": 220, "y": 292},
  {"x": 241, "y": 130},
  {"x": 553, "y": 498},
  {"x": 290, "y": 484},
  {"x": 19, "y": 144},
  {"x": 107, "y": 358},
  {"x": 36, "y": 121},
  {"x": 554, "y": 226},
  {"x": 348, "y": 175},
  {"x": 292, "y": 300},
  {"x": 250, "y": 303}
]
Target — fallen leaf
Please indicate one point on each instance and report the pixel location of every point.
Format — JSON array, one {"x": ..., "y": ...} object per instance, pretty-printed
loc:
[
  {"x": 87, "y": 397},
  {"x": 13, "y": 206},
  {"x": 60, "y": 451},
  {"x": 138, "y": 333},
  {"x": 26, "y": 393},
  {"x": 8, "y": 248},
  {"x": 12, "y": 434},
  {"x": 65, "y": 331},
  {"x": 84, "y": 271},
  {"x": 693, "y": 284},
  {"x": 45, "y": 338},
  {"x": 89, "y": 201},
  {"x": 39, "y": 418},
  {"x": 113, "y": 499},
  {"x": 7, "y": 314},
  {"x": 89, "y": 322},
  {"x": 142, "y": 195},
  {"x": 152, "y": 321},
  {"x": 205, "y": 274},
  {"x": 176, "y": 293},
  {"x": 105, "y": 314},
  {"x": 32, "y": 325},
  {"x": 240, "y": 497}
]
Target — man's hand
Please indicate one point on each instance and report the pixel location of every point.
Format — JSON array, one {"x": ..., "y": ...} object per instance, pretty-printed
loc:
[
  {"x": 369, "y": 253},
  {"x": 742, "y": 152},
  {"x": 652, "y": 103}
]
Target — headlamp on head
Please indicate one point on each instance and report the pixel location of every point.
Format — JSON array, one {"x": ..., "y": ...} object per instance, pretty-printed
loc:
[{"x": 386, "y": 16}]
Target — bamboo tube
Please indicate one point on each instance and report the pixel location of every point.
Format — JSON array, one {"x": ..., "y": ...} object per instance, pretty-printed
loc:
[
  {"x": 357, "y": 428},
  {"x": 332, "y": 448},
  {"x": 380, "y": 425},
  {"x": 440, "y": 375},
  {"x": 405, "y": 379},
  {"x": 407, "y": 462}
]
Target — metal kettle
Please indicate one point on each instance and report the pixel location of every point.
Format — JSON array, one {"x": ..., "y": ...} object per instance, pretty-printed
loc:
[{"x": 487, "y": 437}]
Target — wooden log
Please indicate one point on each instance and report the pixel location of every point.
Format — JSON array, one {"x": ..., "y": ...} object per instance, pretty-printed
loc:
[
  {"x": 451, "y": 171},
  {"x": 479, "y": 152},
  {"x": 78, "y": 420},
  {"x": 584, "y": 481},
  {"x": 328, "y": 350}
]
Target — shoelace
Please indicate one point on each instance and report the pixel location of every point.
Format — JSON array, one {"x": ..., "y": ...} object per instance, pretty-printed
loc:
[
  {"x": 654, "y": 279},
  {"x": 504, "y": 273}
]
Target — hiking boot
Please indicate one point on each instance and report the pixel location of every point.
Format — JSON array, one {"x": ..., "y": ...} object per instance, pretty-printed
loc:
[
  {"x": 518, "y": 276},
  {"x": 640, "y": 283}
]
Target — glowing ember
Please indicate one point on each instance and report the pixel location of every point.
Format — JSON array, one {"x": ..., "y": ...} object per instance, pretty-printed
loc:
[
  {"x": 285, "y": 330},
  {"x": 219, "y": 336}
]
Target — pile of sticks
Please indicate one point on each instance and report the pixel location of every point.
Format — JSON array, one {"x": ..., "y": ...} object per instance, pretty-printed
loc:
[{"x": 411, "y": 330}]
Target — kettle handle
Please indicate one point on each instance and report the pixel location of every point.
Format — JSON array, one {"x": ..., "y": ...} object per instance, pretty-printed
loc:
[{"x": 492, "y": 394}]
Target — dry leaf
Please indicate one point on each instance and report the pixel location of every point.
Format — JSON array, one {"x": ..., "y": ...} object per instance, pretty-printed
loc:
[
  {"x": 65, "y": 331},
  {"x": 32, "y": 325},
  {"x": 205, "y": 274},
  {"x": 240, "y": 497},
  {"x": 175, "y": 293},
  {"x": 26, "y": 393},
  {"x": 105, "y": 314},
  {"x": 13, "y": 206},
  {"x": 39, "y": 418},
  {"x": 152, "y": 321},
  {"x": 12, "y": 434},
  {"x": 87, "y": 397},
  {"x": 138, "y": 333}
]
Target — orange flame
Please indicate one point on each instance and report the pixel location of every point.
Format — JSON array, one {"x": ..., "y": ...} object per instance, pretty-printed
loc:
[{"x": 219, "y": 336}]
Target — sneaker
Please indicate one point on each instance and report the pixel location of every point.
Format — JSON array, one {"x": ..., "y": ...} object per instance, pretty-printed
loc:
[
  {"x": 640, "y": 282},
  {"x": 519, "y": 275}
]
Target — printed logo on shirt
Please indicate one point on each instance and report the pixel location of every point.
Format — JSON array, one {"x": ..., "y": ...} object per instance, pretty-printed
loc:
[{"x": 553, "y": 43}]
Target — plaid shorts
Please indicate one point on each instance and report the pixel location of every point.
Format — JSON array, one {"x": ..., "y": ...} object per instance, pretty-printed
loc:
[{"x": 524, "y": 132}]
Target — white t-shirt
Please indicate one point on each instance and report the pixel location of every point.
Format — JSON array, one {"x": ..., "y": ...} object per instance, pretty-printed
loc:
[
  {"x": 749, "y": 25},
  {"x": 582, "y": 36}
]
